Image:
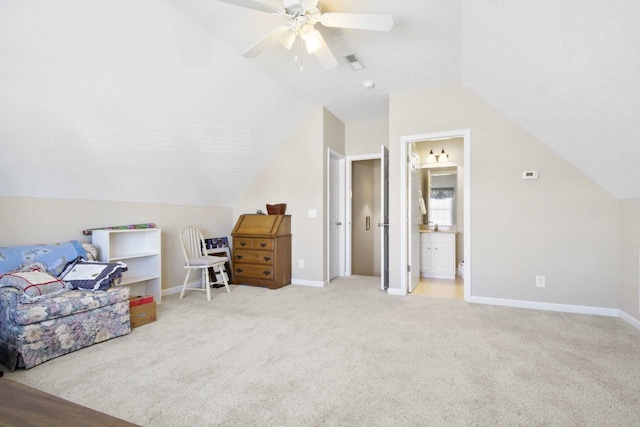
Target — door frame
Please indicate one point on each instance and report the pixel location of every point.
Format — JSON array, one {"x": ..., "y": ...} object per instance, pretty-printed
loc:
[
  {"x": 384, "y": 218},
  {"x": 404, "y": 229},
  {"x": 349, "y": 204},
  {"x": 413, "y": 259},
  {"x": 332, "y": 156}
]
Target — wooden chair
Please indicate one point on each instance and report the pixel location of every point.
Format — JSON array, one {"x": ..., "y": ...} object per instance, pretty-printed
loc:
[{"x": 195, "y": 258}]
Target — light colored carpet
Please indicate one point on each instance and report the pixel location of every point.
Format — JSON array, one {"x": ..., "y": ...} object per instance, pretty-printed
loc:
[{"x": 350, "y": 355}]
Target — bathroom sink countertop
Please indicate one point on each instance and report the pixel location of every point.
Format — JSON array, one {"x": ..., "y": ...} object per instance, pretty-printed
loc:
[{"x": 422, "y": 230}]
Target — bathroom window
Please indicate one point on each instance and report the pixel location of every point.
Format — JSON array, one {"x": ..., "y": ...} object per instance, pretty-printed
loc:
[{"x": 441, "y": 211}]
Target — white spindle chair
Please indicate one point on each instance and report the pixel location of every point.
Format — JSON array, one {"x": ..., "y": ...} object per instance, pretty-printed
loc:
[{"x": 194, "y": 258}]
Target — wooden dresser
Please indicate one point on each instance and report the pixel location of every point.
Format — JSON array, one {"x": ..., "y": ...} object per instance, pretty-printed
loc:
[{"x": 262, "y": 250}]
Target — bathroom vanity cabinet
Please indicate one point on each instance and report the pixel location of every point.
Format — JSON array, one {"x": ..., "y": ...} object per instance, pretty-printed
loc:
[{"x": 438, "y": 255}]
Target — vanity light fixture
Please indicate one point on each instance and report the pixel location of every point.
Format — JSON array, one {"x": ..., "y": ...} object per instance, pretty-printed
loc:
[
  {"x": 440, "y": 158},
  {"x": 443, "y": 157},
  {"x": 431, "y": 158}
]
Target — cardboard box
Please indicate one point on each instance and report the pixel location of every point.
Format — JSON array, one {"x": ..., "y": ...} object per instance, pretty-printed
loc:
[
  {"x": 143, "y": 314},
  {"x": 135, "y": 301}
]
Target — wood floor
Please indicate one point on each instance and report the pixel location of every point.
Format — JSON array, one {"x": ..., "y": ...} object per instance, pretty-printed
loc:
[
  {"x": 440, "y": 288},
  {"x": 23, "y": 406}
]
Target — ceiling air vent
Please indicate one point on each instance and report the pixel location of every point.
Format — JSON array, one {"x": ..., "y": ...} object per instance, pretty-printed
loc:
[{"x": 353, "y": 60}]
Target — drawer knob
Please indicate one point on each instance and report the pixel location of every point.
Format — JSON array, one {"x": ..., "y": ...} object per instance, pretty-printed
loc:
[
  {"x": 238, "y": 270},
  {"x": 239, "y": 256},
  {"x": 263, "y": 244},
  {"x": 243, "y": 243},
  {"x": 266, "y": 258},
  {"x": 266, "y": 272}
]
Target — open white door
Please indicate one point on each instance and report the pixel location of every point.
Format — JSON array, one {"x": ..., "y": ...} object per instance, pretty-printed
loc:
[
  {"x": 336, "y": 207},
  {"x": 413, "y": 220},
  {"x": 384, "y": 224}
]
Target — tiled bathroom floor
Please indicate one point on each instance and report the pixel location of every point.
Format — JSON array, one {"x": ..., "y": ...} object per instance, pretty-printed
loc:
[{"x": 440, "y": 288}]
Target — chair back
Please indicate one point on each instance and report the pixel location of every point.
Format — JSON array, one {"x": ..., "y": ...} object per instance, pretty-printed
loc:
[{"x": 192, "y": 243}]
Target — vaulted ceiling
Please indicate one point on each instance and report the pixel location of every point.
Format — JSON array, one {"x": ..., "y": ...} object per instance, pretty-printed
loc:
[{"x": 152, "y": 101}]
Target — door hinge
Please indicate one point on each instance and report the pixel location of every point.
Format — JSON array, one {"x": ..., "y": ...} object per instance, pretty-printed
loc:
[{"x": 408, "y": 269}]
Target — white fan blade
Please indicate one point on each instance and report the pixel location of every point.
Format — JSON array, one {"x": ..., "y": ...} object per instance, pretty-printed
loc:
[
  {"x": 310, "y": 3},
  {"x": 324, "y": 55},
  {"x": 265, "y": 43},
  {"x": 255, "y": 4},
  {"x": 357, "y": 21}
]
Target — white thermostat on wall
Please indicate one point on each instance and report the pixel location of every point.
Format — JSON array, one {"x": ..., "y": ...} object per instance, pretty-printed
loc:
[{"x": 530, "y": 175}]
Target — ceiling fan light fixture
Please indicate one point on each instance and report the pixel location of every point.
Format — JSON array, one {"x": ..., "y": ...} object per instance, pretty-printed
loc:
[
  {"x": 301, "y": 16},
  {"x": 313, "y": 44},
  {"x": 287, "y": 39},
  {"x": 311, "y": 37}
]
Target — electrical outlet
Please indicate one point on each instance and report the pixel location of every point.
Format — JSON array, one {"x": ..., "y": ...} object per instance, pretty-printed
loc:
[
  {"x": 540, "y": 282},
  {"x": 300, "y": 263}
]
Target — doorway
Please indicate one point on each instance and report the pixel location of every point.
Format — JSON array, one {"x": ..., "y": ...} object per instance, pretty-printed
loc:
[
  {"x": 378, "y": 223},
  {"x": 410, "y": 230},
  {"x": 365, "y": 215}
]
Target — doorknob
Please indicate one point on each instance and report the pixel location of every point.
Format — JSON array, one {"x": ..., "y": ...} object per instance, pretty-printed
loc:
[{"x": 338, "y": 223}]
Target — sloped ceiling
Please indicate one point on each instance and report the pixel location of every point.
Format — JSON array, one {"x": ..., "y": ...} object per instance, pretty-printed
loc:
[
  {"x": 567, "y": 71},
  {"x": 143, "y": 100},
  {"x": 130, "y": 101}
]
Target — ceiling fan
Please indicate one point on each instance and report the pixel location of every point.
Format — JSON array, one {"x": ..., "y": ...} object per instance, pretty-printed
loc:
[{"x": 302, "y": 16}]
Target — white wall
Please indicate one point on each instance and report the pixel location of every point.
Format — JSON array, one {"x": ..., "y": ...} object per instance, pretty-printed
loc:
[
  {"x": 562, "y": 225},
  {"x": 563, "y": 70},
  {"x": 28, "y": 220},
  {"x": 630, "y": 231},
  {"x": 295, "y": 176},
  {"x": 366, "y": 136}
]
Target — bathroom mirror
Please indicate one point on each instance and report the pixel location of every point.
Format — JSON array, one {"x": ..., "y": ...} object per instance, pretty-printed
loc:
[{"x": 440, "y": 194}]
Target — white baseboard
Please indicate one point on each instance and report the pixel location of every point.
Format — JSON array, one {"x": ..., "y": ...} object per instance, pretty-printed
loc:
[
  {"x": 312, "y": 283},
  {"x": 177, "y": 289},
  {"x": 629, "y": 319},
  {"x": 396, "y": 292},
  {"x": 565, "y": 308}
]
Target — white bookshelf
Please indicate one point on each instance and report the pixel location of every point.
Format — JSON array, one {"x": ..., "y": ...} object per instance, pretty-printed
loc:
[{"x": 140, "y": 249}]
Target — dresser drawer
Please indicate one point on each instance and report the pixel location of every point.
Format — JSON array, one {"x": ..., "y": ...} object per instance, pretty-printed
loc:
[
  {"x": 264, "y": 244},
  {"x": 254, "y": 271},
  {"x": 247, "y": 243},
  {"x": 253, "y": 257},
  {"x": 242, "y": 243}
]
